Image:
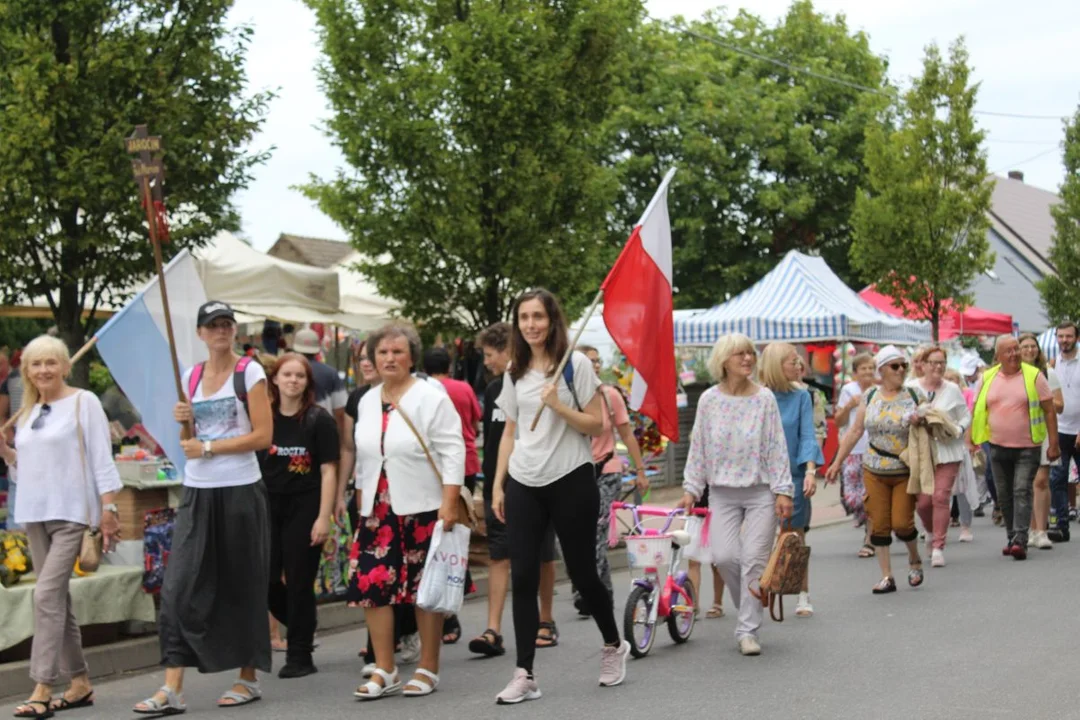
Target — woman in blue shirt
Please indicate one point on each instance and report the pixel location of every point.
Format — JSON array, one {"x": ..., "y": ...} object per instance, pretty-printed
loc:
[{"x": 781, "y": 371}]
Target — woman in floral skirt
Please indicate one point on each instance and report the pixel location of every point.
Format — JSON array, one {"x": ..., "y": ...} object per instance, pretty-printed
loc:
[{"x": 410, "y": 465}]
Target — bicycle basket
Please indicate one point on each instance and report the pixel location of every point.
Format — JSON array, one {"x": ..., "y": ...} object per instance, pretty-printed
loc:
[{"x": 648, "y": 551}]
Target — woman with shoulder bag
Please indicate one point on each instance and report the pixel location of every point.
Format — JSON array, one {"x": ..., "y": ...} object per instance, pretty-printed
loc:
[
  {"x": 545, "y": 474},
  {"x": 738, "y": 451},
  {"x": 410, "y": 466},
  {"x": 214, "y": 613},
  {"x": 67, "y": 487},
  {"x": 886, "y": 414},
  {"x": 300, "y": 472}
]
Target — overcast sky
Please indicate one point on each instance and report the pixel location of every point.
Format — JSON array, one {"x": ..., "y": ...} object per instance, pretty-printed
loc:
[{"x": 1023, "y": 54}]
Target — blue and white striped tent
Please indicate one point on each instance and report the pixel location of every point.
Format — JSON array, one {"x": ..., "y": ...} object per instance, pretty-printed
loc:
[
  {"x": 800, "y": 300},
  {"x": 1048, "y": 343}
]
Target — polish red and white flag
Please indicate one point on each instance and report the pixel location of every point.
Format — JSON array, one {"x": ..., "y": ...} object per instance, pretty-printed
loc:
[{"x": 638, "y": 314}]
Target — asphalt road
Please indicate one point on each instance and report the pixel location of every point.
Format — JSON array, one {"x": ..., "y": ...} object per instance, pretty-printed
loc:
[{"x": 985, "y": 637}]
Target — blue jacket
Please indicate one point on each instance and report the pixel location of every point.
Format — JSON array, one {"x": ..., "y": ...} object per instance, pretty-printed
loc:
[{"x": 797, "y": 414}]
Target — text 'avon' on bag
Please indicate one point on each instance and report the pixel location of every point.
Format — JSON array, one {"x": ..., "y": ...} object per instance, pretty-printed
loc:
[{"x": 442, "y": 585}]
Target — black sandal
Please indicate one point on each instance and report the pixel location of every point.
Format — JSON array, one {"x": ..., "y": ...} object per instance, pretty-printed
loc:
[
  {"x": 451, "y": 630},
  {"x": 551, "y": 639},
  {"x": 45, "y": 704},
  {"x": 61, "y": 703},
  {"x": 490, "y": 644}
]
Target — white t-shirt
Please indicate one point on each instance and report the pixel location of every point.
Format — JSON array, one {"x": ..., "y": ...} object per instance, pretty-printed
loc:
[
  {"x": 847, "y": 394},
  {"x": 219, "y": 417},
  {"x": 55, "y": 483},
  {"x": 555, "y": 449},
  {"x": 1068, "y": 376}
]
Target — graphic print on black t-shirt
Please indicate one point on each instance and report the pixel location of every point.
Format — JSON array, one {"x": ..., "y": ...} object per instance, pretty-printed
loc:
[{"x": 300, "y": 448}]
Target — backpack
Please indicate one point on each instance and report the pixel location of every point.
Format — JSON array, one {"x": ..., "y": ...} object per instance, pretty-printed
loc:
[
  {"x": 239, "y": 385},
  {"x": 568, "y": 376}
]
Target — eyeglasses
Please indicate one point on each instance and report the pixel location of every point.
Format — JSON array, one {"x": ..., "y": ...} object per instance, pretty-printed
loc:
[
  {"x": 896, "y": 367},
  {"x": 936, "y": 363},
  {"x": 39, "y": 421}
]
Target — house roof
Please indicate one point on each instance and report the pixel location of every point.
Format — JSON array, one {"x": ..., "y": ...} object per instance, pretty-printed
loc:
[
  {"x": 317, "y": 252},
  {"x": 1020, "y": 213}
]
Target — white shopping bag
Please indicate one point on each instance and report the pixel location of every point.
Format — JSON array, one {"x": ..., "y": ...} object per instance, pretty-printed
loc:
[{"x": 442, "y": 585}]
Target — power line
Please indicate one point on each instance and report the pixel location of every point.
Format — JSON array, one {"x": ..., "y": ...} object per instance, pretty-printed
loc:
[
  {"x": 828, "y": 78},
  {"x": 1013, "y": 166}
]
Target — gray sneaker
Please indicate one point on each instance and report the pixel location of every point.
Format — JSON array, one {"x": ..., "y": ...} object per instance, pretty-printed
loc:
[
  {"x": 520, "y": 689},
  {"x": 613, "y": 664},
  {"x": 410, "y": 649}
]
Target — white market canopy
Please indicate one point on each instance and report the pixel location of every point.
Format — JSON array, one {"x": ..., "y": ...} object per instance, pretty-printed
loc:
[
  {"x": 800, "y": 300},
  {"x": 362, "y": 308}
]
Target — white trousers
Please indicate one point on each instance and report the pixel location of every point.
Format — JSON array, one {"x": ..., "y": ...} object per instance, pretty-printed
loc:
[{"x": 741, "y": 536}]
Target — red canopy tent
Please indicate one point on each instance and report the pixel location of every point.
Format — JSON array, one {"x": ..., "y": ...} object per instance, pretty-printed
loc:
[{"x": 973, "y": 321}]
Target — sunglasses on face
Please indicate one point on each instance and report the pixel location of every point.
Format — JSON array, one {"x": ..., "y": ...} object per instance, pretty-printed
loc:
[
  {"x": 897, "y": 367},
  {"x": 39, "y": 421}
]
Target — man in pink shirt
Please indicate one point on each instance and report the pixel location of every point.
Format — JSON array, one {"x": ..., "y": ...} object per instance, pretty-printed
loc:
[
  {"x": 609, "y": 468},
  {"x": 1015, "y": 453},
  {"x": 437, "y": 365}
]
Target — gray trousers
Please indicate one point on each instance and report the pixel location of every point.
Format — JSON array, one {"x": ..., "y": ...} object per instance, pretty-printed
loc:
[
  {"x": 56, "y": 653},
  {"x": 609, "y": 485},
  {"x": 1014, "y": 474}
]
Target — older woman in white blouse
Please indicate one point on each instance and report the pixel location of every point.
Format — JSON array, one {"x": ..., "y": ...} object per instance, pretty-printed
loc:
[
  {"x": 68, "y": 483},
  {"x": 404, "y": 428},
  {"x": 945, "y": 397},
  {"x": 738, "y": 450}
]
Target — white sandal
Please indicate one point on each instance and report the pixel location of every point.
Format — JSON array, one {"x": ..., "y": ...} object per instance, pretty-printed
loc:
[
  {"x": 253, "y": 694},
  {"x": 426, "y": 688},
  {"x": 173, "y": 705},
  {"x": 372, "y": 690}
]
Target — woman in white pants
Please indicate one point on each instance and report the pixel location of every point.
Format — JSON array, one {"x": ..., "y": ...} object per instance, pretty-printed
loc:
[{"x": 738, "y": 450}]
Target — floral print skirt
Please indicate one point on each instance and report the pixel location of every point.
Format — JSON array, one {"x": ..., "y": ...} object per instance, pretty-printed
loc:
[{"x": 388, "y": 553}]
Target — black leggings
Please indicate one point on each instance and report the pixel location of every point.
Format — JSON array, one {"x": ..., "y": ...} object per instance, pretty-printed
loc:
[
  {"x": 293, "y": 602},
  {"x": 571, "y": 504}
]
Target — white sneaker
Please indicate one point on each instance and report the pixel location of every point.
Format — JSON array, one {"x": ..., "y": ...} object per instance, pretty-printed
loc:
[
  {"x": 1033, "y": 536},
  {"x": 749, "y": 646},
  {"x": 937, "y": 558},
  {"x": 966, "y": 535},
  {"x": 1043, "y": 542},
  {"x": 613, "y": 664},
  {"x": 410, "y": 648},
  {"x": 804, "y": 609},
  {"x": 520, "y": 689}
]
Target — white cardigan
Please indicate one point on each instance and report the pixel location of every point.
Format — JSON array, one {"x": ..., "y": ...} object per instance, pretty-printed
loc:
[{"x": 414, "y": 486}]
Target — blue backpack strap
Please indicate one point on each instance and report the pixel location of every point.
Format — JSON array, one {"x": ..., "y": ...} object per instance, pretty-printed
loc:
[
  {"x": 194, "y": 379},
  {"x": 568, "y": 376},
  {"x": 239, "y": 382}
]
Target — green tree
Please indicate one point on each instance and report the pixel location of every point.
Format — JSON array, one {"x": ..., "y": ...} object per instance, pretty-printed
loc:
[
  {"x": 1060, "y": 295},
  {"x": 770, "y": 157},
  {"x": 920, "y": 222},
  {"x": 76, "y": 76},
  {"x": 473, "y": 137}
]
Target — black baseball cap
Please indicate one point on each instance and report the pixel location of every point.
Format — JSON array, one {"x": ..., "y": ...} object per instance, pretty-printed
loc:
[{"x": 212, "y": 310}]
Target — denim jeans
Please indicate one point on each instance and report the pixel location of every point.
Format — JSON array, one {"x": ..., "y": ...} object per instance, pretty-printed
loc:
[
  {"x": 1059, "y": 483},
  {"x": 1014, "y": 473}
]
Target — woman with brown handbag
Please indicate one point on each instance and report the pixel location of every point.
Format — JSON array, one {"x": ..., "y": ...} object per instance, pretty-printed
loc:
[
  {"x": 68, "y": 482},
  {"x": 410, "y": 466}
]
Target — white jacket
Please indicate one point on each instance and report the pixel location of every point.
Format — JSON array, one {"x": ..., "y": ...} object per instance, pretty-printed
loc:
[{"x": 414, "y": 486}]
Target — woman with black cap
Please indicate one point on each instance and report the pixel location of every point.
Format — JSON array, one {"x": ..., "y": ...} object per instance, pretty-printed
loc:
[{"x": 214, "y": 601}]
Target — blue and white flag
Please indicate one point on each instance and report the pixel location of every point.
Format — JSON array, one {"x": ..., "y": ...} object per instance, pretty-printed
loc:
[{"x": 135, "y": 346}]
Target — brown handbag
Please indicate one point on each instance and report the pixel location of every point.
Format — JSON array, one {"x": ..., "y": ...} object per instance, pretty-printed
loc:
[
  {"x": 785, "y": 572},
  {"x": 93, "y": 542},
  {"x": 466, "y": 512}
]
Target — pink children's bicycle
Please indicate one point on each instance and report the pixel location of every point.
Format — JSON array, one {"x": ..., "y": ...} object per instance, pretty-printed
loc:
[{"x": 650, "y": 550}]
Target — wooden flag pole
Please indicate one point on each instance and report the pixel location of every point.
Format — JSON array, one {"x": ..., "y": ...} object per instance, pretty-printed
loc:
[
  {"x": 600, "y": 294},
  {"x": 145, "y": 168}
]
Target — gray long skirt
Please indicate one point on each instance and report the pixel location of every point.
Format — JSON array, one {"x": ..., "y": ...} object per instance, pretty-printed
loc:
[{"x": 214, "y": 597}]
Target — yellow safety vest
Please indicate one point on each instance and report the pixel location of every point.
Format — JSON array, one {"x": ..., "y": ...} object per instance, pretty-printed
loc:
[{"x": 980, "y": 426}]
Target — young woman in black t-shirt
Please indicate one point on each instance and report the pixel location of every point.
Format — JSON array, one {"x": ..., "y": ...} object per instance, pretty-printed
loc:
[{"x": 300, "y": 472}]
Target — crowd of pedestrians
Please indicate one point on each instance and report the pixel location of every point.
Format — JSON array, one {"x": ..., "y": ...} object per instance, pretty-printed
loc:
[{"x": 276, "y": 456}]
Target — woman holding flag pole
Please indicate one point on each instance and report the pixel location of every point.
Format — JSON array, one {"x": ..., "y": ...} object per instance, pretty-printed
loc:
[{"x": 214, "y": 606}]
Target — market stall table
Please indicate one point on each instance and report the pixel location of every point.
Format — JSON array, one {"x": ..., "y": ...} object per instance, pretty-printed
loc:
[{"x": 111, "y": 595}]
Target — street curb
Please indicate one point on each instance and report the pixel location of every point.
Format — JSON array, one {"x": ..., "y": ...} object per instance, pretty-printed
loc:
[{"x": 143, "y": 655}]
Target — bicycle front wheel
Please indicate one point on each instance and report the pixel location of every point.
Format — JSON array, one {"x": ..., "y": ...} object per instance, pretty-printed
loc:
[{"x": 639, "y": 630}]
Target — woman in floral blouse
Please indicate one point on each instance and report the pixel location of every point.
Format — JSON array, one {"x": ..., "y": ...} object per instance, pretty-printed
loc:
[{"x": 738, "y": 450}]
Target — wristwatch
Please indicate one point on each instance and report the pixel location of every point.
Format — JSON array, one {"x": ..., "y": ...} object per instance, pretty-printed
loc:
[
  {"x": 111, "y": 507},
  {"x": 207, "y": 451}
]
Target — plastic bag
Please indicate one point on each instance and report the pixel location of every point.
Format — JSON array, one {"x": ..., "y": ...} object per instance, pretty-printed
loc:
[{"x": 442, "y": 586}]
